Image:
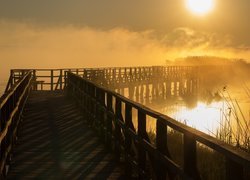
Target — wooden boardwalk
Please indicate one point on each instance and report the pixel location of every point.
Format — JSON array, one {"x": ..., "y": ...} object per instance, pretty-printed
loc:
[{"x": 55, "y": 142}]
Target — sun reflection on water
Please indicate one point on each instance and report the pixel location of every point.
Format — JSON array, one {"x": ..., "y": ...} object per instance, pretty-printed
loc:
[{"x": 204, "y": 117}]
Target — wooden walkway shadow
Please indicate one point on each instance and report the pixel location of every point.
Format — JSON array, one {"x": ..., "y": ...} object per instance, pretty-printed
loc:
[{"x": 56, "y": 143}]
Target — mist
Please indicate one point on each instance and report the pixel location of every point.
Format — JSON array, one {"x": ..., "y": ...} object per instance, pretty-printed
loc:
[{"x": 29, "y": 45}]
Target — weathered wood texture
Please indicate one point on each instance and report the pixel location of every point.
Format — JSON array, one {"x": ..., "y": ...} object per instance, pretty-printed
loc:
[{"x": 54, "y": 142}]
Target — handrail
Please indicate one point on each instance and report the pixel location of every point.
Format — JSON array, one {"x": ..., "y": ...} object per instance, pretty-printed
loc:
[
  {"x": 54, "y": 79},
  {"x": 11, "y": 108},
  {"x": 103, "y": 109},
  {"x": 10, "y": 92}
]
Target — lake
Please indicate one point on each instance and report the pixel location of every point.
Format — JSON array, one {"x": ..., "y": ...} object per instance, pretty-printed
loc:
[
  {"x": 223, "y": 113},
  {"x": 226, "y": 117}
]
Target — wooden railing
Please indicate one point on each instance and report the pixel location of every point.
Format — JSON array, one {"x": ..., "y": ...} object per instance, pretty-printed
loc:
[
  {"x": 111, "y": 115},
  {"x": 54, "y": 79},
  {"x": 11, "y": 108},
  {"x": 42, "y": 79}
]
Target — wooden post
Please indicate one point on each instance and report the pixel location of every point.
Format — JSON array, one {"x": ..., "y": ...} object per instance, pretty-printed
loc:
[
  {"x": 12, "y": 78},
  {"x": 102, "y": 112},
  {"x": 51, "y": 80},
  {"x": 90, "y": 101},
  {"x": 147, "y": 92},
  {"x": 181, "y": 86},
  {"x": 163, "y": 88},
  {"x": 65, "y": 79},
  {"x": 190, "y": 162},
  {"x": 61, "y": 83},
  {"x": 137, "y": 92},
  {"x": 97, "y": 119},
  {"x": 131, "y": 91},
  {"x": 142, "y": 93},
  {"x": 93, "y": 102},
  {"x": 100, "y": 103},
  {"x": 128, "y": 139},
  {"x": 161, "y": 145},
  {"x": 109, "y": 121},
  {"x": 85, "y": 96},
  {"x": 141, "y": 151},
  {"x": 118, "y": 117},
  {"x": 188, "y": 89},
  {"x": 233, "y": 170}
]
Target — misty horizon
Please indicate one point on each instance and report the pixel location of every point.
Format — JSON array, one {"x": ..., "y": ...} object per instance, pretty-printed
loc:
[
  {"x": 59, "y": 34},
  {"x": 164, "y": 85}
]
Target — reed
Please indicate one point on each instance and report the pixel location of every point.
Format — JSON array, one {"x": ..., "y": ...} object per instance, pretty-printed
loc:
[
  {"x": 234, "y": 118},
  {"x": 210, "y": 164}
]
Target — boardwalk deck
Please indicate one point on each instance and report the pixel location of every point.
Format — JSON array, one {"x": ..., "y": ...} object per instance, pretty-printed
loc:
[{"x": 56, "y": 143}]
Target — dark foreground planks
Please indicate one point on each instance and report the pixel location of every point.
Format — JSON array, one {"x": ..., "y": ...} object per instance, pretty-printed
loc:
[{"x": 56, "y": 143}]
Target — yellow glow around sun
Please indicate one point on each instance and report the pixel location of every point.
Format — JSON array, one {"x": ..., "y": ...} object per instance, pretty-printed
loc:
[{"x": 200, "y": 7}]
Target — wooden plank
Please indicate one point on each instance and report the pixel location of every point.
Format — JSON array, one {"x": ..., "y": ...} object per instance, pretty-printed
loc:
[{"x": 56, "y": 143}]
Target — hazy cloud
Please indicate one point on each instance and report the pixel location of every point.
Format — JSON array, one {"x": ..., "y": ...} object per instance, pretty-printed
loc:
[
  {"x": 25, "y": 45},
  {"x": 188, "y": 38}
]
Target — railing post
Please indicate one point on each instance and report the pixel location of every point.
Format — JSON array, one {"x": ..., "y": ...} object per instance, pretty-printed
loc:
[
  {"x": 51, "y": 80},
  {"x": 89, "y": 102},
  {"x": 97, "y": 119},
  {"x": 65, "y": 79},
  {"x": 128, "y": 139},
  {"x": 93, "y": 103},
  {"x": 61, "y": 83},
  {"x": 35, "y": 85},
  {"x": 141, "y": 151},
  {"x": 12, "y": 78},
  {"x": 100, "y": 104},
  {"x": 161, "y": 145},
  {"x": 109, "y": 120},
  {"x": 190, "y": 162},
  {"x": 233, "y": 170},
  {"x": 118, "y": 117},
  {"x": 102, "y": 111},
  {"x": 82, "y": 96}
]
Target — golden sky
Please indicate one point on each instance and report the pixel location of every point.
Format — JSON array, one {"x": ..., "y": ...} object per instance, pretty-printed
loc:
[{"x": 63, "y": 33}]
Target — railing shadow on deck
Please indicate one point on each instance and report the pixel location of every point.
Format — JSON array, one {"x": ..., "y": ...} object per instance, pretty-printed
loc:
[
  {"x": 69, "y": 150},
  {"x": 22, "y": 81},
  {"x": 111, "y": 115}
]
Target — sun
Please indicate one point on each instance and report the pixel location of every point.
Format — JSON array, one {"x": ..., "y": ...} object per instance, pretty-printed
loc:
[{"x": 200, "y": 7}]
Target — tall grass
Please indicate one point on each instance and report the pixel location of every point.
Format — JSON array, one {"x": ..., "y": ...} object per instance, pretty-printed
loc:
[
  {"x": 234, "y": 126},
  {"x": 210, "y": 164}
]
